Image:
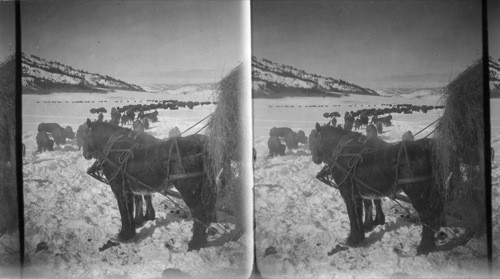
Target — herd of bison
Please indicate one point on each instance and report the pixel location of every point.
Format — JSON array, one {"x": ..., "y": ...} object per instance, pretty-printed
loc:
[
  {"x": 135, "y": 114},
  {"x": 139, "y": 117},
  {"x": 353, "y": 119}
]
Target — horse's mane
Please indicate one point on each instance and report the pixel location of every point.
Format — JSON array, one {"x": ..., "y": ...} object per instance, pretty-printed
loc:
[
  {"x": 127, "y": 131},
  {"x": 356, "y": 136}
]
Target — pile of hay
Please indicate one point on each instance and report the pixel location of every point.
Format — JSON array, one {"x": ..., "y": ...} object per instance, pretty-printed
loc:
[
  {"x": 8, "y": 182},
  {"x": 226, "y": 135},
  {"x": 460, "y": 150}
]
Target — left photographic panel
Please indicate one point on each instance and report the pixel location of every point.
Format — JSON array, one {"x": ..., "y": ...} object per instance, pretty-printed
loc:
[
  {"x": 9, "y": 210},
  {"x": 135, "y": 151}
]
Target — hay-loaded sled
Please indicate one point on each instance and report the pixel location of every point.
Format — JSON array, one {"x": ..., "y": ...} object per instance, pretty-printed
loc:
[
  {"x": 135, "y": 164},
  {"x": 446, "y": 187}
]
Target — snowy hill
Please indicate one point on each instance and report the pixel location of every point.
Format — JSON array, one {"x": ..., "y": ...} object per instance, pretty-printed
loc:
[
  {"x": 410, "y": 93},
  {"x": 41, "y": 76},
  {"x": 494, "y": 78},
  {"x": 270, "y": 80}
]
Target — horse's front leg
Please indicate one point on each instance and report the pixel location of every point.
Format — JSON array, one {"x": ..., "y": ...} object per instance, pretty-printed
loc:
[
  {"x": 379, "y": 214},
  {"x": 139, "y": 218},
  {"x": 368, "y": 225},
  {"x": 150, "y": 211},
  {"x": 126, "y": 208},
  {"x": 355, "y": 211}
]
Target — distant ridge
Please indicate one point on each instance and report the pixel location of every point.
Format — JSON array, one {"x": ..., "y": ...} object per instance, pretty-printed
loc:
[
  {"x": 494, "y": 78},
  {"x": 273, "y": 80},
  {"x": 42, "y": 77}
]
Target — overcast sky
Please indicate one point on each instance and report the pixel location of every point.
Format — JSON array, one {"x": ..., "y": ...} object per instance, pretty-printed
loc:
[
  {"x": 376, "y": 44},
  {"x": 137, "y": 41},
  {"x": 7, "y": 30}
]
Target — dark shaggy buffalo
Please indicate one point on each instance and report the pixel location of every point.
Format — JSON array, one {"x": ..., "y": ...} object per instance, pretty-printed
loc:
[
  {"x": 280, "y": 132},
  {"x": 59, "y": 136},
  {"x": 292, "y": 140},
  {"x": 146, "y": 123},
  {"x": 80, "y": 135},
  {"x": 357, "y": 124},
  {"x": 152, "y": 116},
  {"x": 386, "y": 120},
  {"x": 302, "y": 138},
  {"x": 47, "y": 127},
  {"x": 364, "y": 119},
  {"x": 348, "y": 121},
  {"x": 138, "y": 126},
  {"x": 98, "y": 110},
  {"x": 275, "y": 146},
  {"x": 43, "y": 142},
  {"x": 68, "y": 131},
  {"x": 125, "y": 119}
]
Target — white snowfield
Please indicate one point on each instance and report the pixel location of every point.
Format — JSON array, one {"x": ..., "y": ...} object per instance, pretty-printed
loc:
[
  {"x": 69, "y": 215},
  {"x": 300, "y": 220}
]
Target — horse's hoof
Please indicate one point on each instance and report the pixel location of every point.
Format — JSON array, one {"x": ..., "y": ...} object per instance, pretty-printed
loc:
[
  {"x": 424, "y": 250},
  {"x": 379, "y": 222},
  {"x": 125, "y": 236},
  {"x": 196, "y": 245},
  {"x": 150, "y": 217},
  {"x": 354, "y": 240}
]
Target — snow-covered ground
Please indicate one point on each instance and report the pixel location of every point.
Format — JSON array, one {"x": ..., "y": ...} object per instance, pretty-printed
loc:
[
  {"x": 69, "y": 215},
  {"x": 300, "y": 220}
]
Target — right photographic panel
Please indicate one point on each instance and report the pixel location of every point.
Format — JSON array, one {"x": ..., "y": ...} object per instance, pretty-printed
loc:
[
  {"x": 369, "y": 139},
  {"x": 494, "y": 74}
]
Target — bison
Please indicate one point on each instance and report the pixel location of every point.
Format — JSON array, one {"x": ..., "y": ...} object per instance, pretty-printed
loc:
[
  {"x": 68, "y": 131},
  {"x": 59, "y": 136},
  {"x": 275, "y": 147},
  {"x": 43, "y": 142},
  {"x": 80, "y": 135},
  {"x": 47, "y": 127}
]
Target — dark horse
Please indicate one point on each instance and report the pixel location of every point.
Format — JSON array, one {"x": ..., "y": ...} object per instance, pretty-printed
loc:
[
  {"x": 365, "y": 173},
  {"x": 372, "y": 142},
  {"x": 138, "y": 163}
]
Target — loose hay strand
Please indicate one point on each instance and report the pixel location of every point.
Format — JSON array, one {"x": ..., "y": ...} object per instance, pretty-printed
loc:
[
  {"x": 459, "y": 148},
  {"x": 224, "y": 132}
]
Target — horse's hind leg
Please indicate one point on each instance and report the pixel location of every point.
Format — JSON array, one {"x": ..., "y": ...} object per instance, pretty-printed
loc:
[
  {"x": 150, "y": 211},
  {"x": 368, "y": 225},
  {"x": 201, "y": 209},
  {"x": 139, "y": 218},
  {"x": 379, "y": 214},
  {"x": 430, "y": 213}
]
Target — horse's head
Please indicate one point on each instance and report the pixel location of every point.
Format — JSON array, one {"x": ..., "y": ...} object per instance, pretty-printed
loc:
[
  {"x": 323, "y": 140},
  {"x": 95, "y": 136}
]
